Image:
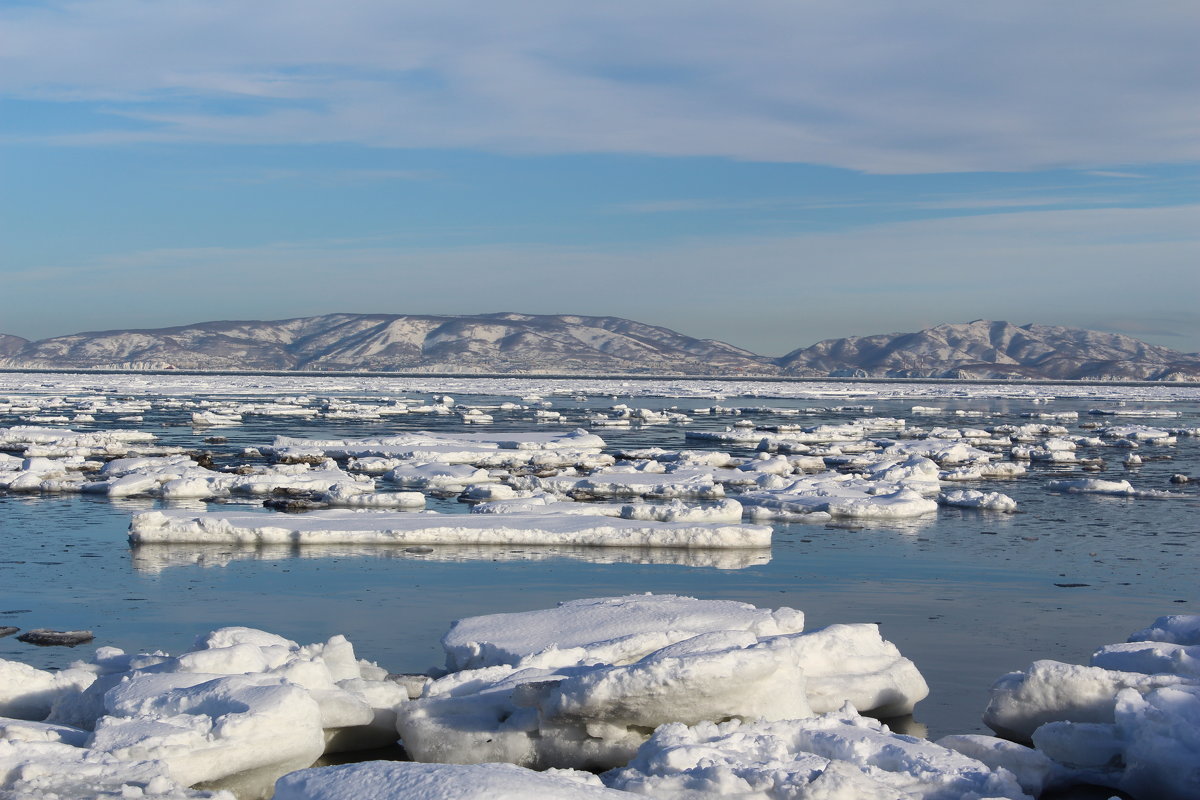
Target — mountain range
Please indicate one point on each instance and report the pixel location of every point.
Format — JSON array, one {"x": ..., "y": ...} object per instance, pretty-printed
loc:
[{"x": 566, "y": 344}]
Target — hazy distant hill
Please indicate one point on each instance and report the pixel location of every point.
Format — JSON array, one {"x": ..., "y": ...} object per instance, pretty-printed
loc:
[
  {"x": 1000, "y": 350},
  {"x": 10, "y": 345},
  {"x": 395, "y": 342},
  {"x": 570, "y": 344}
]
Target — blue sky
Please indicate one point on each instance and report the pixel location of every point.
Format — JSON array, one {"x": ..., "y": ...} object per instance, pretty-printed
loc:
[{"x": 770, "y": 174}]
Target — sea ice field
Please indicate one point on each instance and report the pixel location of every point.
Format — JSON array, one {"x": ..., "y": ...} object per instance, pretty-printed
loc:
[{"x": 596, "y": 588}]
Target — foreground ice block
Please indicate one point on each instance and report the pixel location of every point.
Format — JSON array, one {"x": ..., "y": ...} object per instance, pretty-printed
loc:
[
  {"x": 836, "y": 756},
  {"x": 242, "y": 706},
  {"x": 51, "y": 770},
  {"x": 582, "y": 685},
  {"x": 381, "y": 527},
  {"x": 1129, "y": 720}
]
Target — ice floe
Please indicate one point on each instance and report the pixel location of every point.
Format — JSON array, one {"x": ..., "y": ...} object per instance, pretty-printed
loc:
[
  {"x": 968, "y": 498},
  {"x": 1099, "y": 486},
  {"x": 381, "y": 527}
]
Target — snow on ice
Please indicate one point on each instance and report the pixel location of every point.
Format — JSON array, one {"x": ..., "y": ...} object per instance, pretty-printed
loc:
[{"x": 1129, "y": 720}]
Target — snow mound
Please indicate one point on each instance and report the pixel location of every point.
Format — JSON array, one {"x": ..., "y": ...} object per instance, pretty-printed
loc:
[
  {"x": 393, "y": 780},
  {"x": 836, "y": 756}
]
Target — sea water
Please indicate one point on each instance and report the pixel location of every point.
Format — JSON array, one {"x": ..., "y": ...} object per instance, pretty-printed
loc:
[{"x": 968, "y": 595}]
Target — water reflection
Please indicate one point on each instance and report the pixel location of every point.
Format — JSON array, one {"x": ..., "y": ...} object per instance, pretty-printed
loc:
[{"x": 154, "y": 558}]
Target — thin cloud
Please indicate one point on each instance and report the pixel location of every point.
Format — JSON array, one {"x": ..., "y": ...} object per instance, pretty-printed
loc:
[
  {"x": 932, "y": 86},
  {"x": 1105, "y": 173}
]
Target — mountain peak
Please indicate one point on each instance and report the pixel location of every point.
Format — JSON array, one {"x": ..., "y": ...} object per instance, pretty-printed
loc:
[
  {"x": 993, "y": 350},
  {"x": 509, "y": 342}
]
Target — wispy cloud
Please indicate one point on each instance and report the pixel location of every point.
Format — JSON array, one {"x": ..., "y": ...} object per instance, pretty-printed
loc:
[
  {"x": 957, "y": 202},
  {"x": 1107, "y": 173},
  {"x": 333, "y": 176},
  {"x": 931, "y": 86}
]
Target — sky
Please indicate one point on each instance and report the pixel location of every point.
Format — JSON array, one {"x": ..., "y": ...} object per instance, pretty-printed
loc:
[{"x": 769, "y": 173}]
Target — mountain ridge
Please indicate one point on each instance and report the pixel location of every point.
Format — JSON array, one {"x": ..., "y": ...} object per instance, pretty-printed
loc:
[{"x": 509, "y": 342}]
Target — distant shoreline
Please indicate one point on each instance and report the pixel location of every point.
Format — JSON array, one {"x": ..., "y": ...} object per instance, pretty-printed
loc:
[{"x": 594, "y": 376}]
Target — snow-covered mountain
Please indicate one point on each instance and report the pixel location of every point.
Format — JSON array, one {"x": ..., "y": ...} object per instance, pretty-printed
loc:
[
  {"x": 571, "y": 344},
  {"x": 994, "y": 350},
  {"x": 400, "y": 342},
  {"x": 11, "y": 345}
]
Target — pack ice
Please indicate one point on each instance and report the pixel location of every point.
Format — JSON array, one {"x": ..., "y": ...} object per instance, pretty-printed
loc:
[{"x": 242, "y": 706}]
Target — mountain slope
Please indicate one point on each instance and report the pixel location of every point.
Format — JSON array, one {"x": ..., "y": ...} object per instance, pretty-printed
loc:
[
  {"x": 573, "y": 344},
  {"x": 389, "y": 342},
  {"x": 985, "y": 349},
  {"x": 10, "y": 345}
]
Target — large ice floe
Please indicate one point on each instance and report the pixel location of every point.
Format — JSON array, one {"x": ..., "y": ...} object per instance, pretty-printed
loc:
[
  {"x": 584, "y": 684},
  {"x": 1129, "y": 720},
  {"x": 380, "y": 527},
  {"x": 241, "y": 708}
]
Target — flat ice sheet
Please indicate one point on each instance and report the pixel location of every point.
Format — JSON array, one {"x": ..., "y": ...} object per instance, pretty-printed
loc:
[{"x": 341, "y": 526}]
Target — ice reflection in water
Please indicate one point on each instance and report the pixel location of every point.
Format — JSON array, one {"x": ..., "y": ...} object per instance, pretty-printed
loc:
[{"x": 154, "y": 558}]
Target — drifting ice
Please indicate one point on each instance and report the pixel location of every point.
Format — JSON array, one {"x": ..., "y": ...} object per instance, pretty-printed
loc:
[{"x": 381, "y": 527}]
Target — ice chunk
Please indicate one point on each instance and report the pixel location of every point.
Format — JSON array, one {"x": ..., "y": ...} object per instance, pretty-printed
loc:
[
  {"x": 213, "y": 729},
  {"x": 1161, "y": 734},
  {"x": 853, "y": 663},
  {"x": 583, "y": 684},
  {"x": 967, "y": 498},
  {"x": 1051, "y": 690},
  {"x": 1150, "y": 658},
  {"x": 52, "y": 770},
  {"x": 1130, "y": 721},
  {"x": 841, "y": 496},
  {"x": 1177, "y": 628}
]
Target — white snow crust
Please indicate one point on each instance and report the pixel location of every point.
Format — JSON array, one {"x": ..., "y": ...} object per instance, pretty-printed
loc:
[
  {"x": 1129, "y": 720},
  {"x": 381, "y": 527},
  {"x": 835, "y": 756},
  {"x": 241, "y": 702},
  {"x": 582, "y": 685}
]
